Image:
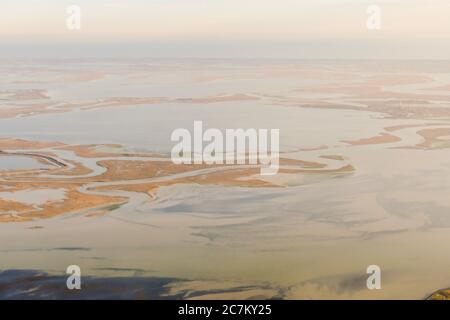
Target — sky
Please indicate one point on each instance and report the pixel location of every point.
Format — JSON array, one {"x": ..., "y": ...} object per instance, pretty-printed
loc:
[{"x": 304, "y": 29}]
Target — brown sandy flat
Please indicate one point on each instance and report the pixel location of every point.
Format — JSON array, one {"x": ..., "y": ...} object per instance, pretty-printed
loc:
[
  {"x": 132, "y": 169},
  {"x": 333, "y": 157},
  {"x": 121, "y": 170},
  {"x": 300, "y": 163},
  {"x": 92, "y": 151},
  {"x": 243, "y": 177},
  {"x": 406, "y": 126},
  {"x": 32, "y": 94},
  {"x": 77, "y": 170},
  {"x": 432, "y": 138},
  {"x": 402, "y": 126},
  {"x": 232, "y": 177},
  {"x": 345, "y": 169},
  {"x": 76, "y": 201},
  {"x": 14, "y": 144},
  {"x": 379, "y": 139},
  {"x": 322, "y": 147},
  {"x": 215, "y": 99},
  {"x": 7, "y": 205}
]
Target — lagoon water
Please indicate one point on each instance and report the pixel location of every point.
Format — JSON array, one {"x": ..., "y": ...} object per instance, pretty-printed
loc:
[
  {"x": 312, "y": 239},
  {"x": 11, "y": 163}
]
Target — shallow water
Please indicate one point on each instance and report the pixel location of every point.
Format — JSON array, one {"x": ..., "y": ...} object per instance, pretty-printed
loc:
[
  {"x": 34, "y": 196},
  {"x": 11, "y": 163},
  {"x": 313, "y": 239}
]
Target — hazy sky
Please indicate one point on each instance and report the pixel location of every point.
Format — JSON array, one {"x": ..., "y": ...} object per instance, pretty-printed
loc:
[{"x": 227, "y": 28}]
